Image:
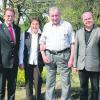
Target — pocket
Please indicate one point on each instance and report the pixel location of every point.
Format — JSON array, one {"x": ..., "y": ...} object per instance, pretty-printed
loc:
[
  {"x": 66, "y": 38},
  {"x": 50, "y": 56},
  {"x": 66, "y": 55}
]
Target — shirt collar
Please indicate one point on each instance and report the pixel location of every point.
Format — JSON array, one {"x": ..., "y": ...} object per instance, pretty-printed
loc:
[
  {"x": 8, "y": 25},
  {"x": 89, "y": 30},
  {"x": 61, "y": 21},
  {"x": 30, "y": 31}
]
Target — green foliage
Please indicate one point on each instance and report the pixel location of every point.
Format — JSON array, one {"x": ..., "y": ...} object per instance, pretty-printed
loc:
[
  {"x": 74, "y": 80},
  {"x": 72, "y": 10},
  {"x": 24, "y": 27},
  {"x": 20, "y": 78},
  {"x": 44, "y": 75},
  {"x": 1, "y": 18}
]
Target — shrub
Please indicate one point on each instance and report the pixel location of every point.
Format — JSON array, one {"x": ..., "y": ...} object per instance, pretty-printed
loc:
[
  {"x": 20, "y": 78},
  {"x": 44, "y": 74}
]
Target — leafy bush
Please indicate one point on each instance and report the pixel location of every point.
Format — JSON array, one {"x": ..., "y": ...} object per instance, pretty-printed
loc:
[
  {"x": 44, "y": 75},
  {"x": 20, "y": 78}
]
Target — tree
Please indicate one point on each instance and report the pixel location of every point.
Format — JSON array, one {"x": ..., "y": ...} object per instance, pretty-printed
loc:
[
  {"x": 72, "y": 10},
  {"x": 25, "y": 8}
]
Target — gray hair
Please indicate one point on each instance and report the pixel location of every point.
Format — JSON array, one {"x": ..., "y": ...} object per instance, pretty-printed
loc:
[{"x": 53, "y": 9}]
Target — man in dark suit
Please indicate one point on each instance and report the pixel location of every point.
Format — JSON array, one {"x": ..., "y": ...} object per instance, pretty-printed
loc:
[
  {"x": 87, "y": 56},
  {"x": 9, "y": 47}
]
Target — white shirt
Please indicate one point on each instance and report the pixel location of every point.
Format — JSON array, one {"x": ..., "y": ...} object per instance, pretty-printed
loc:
[
  {"x": 58, "y": 37},
  {"x": 33, "y": 54}
]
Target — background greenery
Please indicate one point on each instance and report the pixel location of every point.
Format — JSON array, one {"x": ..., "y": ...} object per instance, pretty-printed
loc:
[
  {"x": 71, "y": 10},
  {"x": 21, "y": 78}
]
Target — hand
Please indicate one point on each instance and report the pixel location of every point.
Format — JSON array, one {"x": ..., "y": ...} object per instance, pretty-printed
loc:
[
  {"x": 74, "y": 70},
  {"x": 70, "y": 63},
  {"x": 21, "y": 66}
]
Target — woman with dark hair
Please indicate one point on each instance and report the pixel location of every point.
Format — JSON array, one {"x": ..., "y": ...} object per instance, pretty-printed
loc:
[{"x": 30, "y": 59}]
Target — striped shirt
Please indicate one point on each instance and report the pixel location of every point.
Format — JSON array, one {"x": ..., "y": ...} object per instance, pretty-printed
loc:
[{"x": 58, "y": 37}]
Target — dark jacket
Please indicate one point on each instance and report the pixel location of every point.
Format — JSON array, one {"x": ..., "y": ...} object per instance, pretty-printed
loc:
[
  {"x": 27, "y": 46},
  {"x": 8, "y": 49}
]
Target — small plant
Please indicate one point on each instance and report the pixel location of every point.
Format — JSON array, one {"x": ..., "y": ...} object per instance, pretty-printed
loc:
[
  {"x": 44, "y": 74},
  {"x": 20, "y": 78}
]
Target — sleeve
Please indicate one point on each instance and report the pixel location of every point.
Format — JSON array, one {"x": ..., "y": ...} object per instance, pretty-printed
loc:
[
  {"x": 0, "y": 58},
  {"x": 43, "y": 36},
  {"x": 21, "y": 48},
  {"x": 71, "y": 34},
  {"x": 0, "y": 52},
  {"x": 76, "y": 51}
]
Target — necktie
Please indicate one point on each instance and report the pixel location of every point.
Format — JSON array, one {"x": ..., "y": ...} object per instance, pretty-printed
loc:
[{"x": 11, "y": 33}]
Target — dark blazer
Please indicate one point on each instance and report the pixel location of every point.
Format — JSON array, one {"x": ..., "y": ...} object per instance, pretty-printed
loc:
[
  {"x": 87, "y": 56},
  {"x": 8, "y": 49},
  {"x": 27, "y": 46}
]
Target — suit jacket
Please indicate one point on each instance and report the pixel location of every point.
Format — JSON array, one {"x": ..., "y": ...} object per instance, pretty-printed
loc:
[
  {"x": 27, "y": 46},
  {"x": 8, "y": 49},
  {"x": 87, "y": 56}
]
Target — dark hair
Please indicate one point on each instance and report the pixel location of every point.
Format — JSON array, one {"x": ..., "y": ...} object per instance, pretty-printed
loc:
[
  {"x": 9, "y": 9},
  {"x": 34, "y": 18}
]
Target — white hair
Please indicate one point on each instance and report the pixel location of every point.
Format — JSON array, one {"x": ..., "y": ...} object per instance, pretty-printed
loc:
[{"x": 53, "y": 9}]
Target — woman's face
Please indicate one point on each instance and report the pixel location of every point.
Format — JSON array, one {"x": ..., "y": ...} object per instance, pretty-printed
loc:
[{"x": 34, "y": 26}]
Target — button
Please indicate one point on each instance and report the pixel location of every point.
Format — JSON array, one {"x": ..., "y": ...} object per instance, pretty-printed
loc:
[{"x": 12, "y": 55}]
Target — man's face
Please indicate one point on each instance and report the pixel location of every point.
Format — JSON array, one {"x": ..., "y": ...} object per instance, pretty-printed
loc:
[
  {"x": 54, "y": 16},
  {"x": 9, "y": 17},
  {"x": 87, "y": 19},
  {"x": 35, "y": 26}
]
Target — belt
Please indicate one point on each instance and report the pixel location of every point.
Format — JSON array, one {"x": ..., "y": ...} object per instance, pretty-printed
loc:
[{"x": 56, "y": 52}]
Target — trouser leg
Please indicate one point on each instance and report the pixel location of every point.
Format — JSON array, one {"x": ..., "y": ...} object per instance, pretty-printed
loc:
[
  {"x": 40, "y": 81},
  {"x": 29, "y": 82},
  {"x": 94, "y": 79},
  {"x": 50, "y": 82},
  {"x": 3, "y": 83},
  {"x": 61, "y": 61},
  {"x": 11, "y": 86},
  {"x": 51, "y": 70},
  {"x": 0, "y": 85},
  {"x": 66, "y": 85},
  {"x": 84, "y": 79},
  {"x": 0, "y": 81}
]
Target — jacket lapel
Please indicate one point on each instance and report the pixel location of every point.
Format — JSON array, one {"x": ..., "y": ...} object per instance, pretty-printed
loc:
[
  {"x": 83, "y": 36},
  {"x": 6, "y": 32},
  {"x": 28, "y": 38}
]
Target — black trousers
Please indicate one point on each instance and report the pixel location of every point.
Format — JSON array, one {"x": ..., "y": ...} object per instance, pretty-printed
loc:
[
  {"x": 9, "y": 76},
  {"x": 84, "y": 77},
  {"x": 33, "y": 77}
]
